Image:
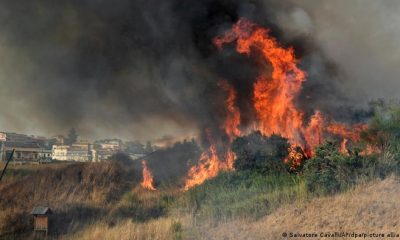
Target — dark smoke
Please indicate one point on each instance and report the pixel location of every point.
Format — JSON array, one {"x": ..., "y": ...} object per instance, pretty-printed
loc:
[{"x": 145, "y": 69}]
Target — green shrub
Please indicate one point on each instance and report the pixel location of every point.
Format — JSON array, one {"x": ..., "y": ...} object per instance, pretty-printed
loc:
[
  {"x": 245, "y": 194},
  {"x": 261, "y": 153},
  {"x": 330, "y": 171},
  {"x": 177, "y": 230},
  {"x": 383, "y": 132}
]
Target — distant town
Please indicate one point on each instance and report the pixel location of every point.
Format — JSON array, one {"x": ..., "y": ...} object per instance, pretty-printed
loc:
[{"x": 69, "y": 148}]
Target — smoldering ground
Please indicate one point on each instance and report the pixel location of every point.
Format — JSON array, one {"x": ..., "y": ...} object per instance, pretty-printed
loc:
[{"x": 144, "y": 69}]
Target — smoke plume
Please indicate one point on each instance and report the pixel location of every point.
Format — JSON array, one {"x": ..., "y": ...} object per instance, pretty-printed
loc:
[{"x": 148, "y": 69}]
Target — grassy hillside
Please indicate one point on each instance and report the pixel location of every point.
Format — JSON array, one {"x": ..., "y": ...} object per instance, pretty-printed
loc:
[
  {"x": 371, "y": 207},
  {"x": 77, "y": 193},
  {"x": 105, "y": 201},
  {"x": 359, "y": 209},
  {"x": 260, "y": 199}
]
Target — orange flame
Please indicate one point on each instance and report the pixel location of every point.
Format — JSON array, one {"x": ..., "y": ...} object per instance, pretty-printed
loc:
[
  {"x": 273, "y": 99},
  {"x": 209, "y": 163},
  {"x": 147, "y": 182},
  {"x": 229, "y": 159},
  {"x": 273, "y": 95},
  {"x": 343, "y": 146},
  {"x": 313, "y": 133},
  {"x": 207, "y": 168},
  {"x": 232, "y": 121},
  {"x": 294, "y": 157},
  {"x": 352, "y": 132}
]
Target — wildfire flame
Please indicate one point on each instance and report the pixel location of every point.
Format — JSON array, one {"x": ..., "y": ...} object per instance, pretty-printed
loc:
[
  {"x": 273, "y": 101},
  {"x": 147, "y": 182},
  {"x": 274, "y": 93},
  {"x": 207, "y": 168},
  {"x": 343, "y": 146},
  {"x": 232, "y": 122},
  {"x": 209, "y": 165},
  {"x": 313, "y": 133}
]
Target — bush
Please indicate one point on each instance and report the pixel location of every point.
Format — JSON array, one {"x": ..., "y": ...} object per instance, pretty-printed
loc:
[
  {"x": 261, "y": 153},
  {"x": 383, "y": 133},
  {"x": 330, "y": 171},
  {"x": 177, "y": 230}
]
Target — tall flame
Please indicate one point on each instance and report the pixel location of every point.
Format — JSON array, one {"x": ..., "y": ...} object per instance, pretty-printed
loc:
[
  {"x": 208, "y": 167},
  {"x": 273, "y": 93},
  {"x": 274, "y": 96},
  {"x": 209, "y": 163},
  {"x": 147, "y": 182},
  {"x": 232, "y": 121},
  {"x": 313, "y": 133}
]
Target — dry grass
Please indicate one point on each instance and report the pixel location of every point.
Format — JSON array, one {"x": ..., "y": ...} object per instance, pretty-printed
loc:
[
  {"x": 77, "y": 193},
  {"x": 367, "y": 208},
  {"x": 157, "y": 229},
  {"x": 101, "y": 201}
]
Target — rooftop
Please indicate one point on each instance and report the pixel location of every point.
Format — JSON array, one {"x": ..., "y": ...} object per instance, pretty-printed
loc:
[
  {"x": 21, "y": 145},
  {"x": 39, "y": 210}
]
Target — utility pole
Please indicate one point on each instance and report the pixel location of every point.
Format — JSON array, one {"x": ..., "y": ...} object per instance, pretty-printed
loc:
[{"x": 8, "y": 161}]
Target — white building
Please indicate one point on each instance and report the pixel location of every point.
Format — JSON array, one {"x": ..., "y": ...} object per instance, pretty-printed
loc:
[
  {"x": 60, "y": 152},
  {"x": 80, "y": 152}
]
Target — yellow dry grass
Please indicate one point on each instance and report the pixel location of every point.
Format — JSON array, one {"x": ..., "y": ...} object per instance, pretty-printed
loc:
[
  {"x": 157, "y": 229},
  {"x": 368, "y": 208}
]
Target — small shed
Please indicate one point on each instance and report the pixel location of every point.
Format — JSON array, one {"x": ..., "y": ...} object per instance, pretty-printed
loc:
[{"x": 41, "y": 218}]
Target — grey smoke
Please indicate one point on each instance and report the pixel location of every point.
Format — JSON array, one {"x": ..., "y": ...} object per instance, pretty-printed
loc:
[{"x": 147, "y": 69}]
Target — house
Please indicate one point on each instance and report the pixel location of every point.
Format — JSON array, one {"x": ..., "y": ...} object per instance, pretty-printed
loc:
[
  {"x": 109, "y": 144},
  {"x": 27, "y": 148},
  {"x": 79, "y": 152},
  {"x": 59, "y": 152},
  {"x": 101, "y": 155},
  {"x": 24, "y": 151},
  {"x": 104, "y": 149},
  {"x": 45, "y": 154}
]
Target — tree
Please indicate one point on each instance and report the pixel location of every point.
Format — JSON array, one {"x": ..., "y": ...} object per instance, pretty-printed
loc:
[
  {"x": 258, "y": 152},
  {"x": 148, "y": 148},
  {"x": 72, "y": 136},
  {"x": 135, "y": 147}
]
